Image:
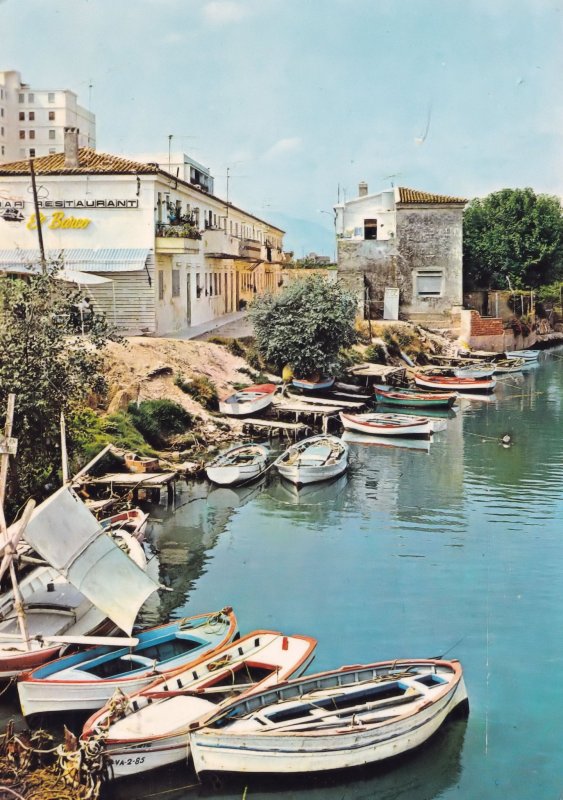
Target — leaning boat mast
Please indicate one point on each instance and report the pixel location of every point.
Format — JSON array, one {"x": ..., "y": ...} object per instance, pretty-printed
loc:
[{"x": 8, "y": 447}]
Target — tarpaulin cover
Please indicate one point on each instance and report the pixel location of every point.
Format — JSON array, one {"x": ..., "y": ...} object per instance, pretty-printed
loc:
[{"x": 69, "y": 537}]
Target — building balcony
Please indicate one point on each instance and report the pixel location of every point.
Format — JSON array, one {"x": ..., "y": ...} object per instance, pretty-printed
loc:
[
  {"x": 177, "y": 239},
  {"x": 217, "y": 242}
]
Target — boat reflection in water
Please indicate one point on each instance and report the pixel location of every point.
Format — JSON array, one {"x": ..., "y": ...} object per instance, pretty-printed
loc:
[
  {"x": 312, "y": 494},
  {"x": 423, "y": 774},
  {"x": 395, "y": 442},
  {"x": 234, "y": 496}
]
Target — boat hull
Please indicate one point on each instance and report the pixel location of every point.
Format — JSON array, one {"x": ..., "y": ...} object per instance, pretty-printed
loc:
[
  {"x": 456, "y": 384},
  {"x": 346, "y": 744},
  {"x": 304, "y": 754},
  {"x": 353, "y": 423},
  {"x": 231, "y": 476},
  {"x": 405, "y": 400},
  {"x": 301, "y": 476},
  {"x": 243, "y": 409},
  {"x": 73, "y": 689},
  {"x": 313, "y": 386},
  {"x": 527, "y": 355},
  {"x": 136, "y": 750}
]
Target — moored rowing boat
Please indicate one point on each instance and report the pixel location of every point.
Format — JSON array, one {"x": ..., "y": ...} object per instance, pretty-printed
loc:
[
  {"x": 387, "y": 424},
  {"x": 332, "y": 720}
]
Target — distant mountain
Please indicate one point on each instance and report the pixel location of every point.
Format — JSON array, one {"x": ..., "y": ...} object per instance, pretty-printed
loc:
[{"x": 303, "y": 236}]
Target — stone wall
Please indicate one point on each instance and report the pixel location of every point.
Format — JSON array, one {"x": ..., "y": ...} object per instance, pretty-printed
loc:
[
  {"x": 428, "y": 238},
  {"x": 431, "y": 238}
]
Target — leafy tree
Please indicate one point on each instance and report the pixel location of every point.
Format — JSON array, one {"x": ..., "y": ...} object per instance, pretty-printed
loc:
[
  {"x": 305, "y": 325},
  {"x": 513, "y": 235},
  {"x": 51, "y": 367}
]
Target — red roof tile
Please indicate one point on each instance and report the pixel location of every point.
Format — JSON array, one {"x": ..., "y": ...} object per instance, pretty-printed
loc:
[
  {"x": 90, "y": 161},
  {"x": 414, "y": 196}
]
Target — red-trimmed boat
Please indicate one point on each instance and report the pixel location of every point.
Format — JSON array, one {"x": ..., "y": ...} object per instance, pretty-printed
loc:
[
  {"x": 441, "y": 383},
  {"x": 248, "y": 400},
  {"x": 387, "y": 424}
]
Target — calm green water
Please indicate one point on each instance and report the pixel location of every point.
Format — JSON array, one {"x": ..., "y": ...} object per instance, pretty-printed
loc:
[{"x": 454, "y": 549}]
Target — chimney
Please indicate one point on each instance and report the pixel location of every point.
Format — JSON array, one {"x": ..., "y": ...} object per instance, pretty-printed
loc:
[
  {"x": 362, "y": 189},
  {"x": 71, "y": 147}
]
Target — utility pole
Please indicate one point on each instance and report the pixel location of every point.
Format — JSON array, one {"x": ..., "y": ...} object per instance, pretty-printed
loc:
[{"x": 37, "y": 216}]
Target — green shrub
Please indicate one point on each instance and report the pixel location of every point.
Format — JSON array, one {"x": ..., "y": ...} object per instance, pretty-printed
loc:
[
  {"x": 375, "y": 354},
  {"x": 158, "y": 420},
  {"x": 236, "y": 349},
  {"x": 201, "y": 389},
  {"x": 89, "y": 433},
  {"x": 222, "y": 340}
]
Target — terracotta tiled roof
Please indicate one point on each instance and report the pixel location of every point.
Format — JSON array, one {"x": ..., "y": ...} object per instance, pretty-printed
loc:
[
  {"x": 414, "y": 196},
  {"x": 90, "y": 161}
]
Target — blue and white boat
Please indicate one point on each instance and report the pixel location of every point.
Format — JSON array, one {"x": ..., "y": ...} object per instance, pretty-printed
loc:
[{"x": 86, "y": 680}]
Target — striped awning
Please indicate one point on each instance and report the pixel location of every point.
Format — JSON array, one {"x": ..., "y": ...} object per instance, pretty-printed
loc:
[{"x": 115, "y": 259}]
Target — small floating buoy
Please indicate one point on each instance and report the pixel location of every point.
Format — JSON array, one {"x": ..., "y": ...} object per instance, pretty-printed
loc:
[{"x": 506, "y": 439}]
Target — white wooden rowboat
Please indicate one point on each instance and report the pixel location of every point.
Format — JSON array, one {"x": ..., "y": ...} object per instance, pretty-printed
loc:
[
  {"x": 333, "y": 720},
  {"x": 84, "y": 681},
  {"x": 238, "y": 465},
  {"x": 387, "y": 424},
  {"x": 149, "y": 729},
  {"x": 317, "y": 458},
  {"x": 248, "y": 401},
  {"x": 527, "y": 355},
  {"x": 455, "y": 384}
]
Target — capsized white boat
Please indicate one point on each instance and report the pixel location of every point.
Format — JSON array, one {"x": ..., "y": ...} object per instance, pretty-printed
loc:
[
  {"x": 332, "y": 720},
  {"x": 85, "y": 680},
  {"x": 396, "y": 442},
  {"x": 238, "y": 465},
  {"x": 317, "y": 458},
  {"x": 387, "y": 424},
  {"x": 149, "y": 729},
  {"x": 249, "y": 400}
]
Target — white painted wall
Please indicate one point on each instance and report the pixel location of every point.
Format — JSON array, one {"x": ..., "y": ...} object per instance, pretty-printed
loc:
[{"x": 350, "y": 216}]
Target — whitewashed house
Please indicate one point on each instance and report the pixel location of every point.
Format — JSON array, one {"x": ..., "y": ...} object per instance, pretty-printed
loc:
[{"x": 175, "y": 255}]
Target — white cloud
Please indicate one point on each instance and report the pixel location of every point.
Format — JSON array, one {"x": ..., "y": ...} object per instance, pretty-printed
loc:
[
  {"x": 222, "y": 12},
  {"x": 282, "y": 146}
]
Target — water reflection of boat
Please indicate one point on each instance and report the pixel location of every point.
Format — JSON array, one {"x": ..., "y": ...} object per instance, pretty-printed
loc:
[
  {"x": 234, "y": 496},
  {"x": 351, "y": 437},
  {"x": 310, "y": 494}
]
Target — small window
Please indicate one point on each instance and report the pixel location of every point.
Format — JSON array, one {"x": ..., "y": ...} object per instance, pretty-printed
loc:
[
  {"x": 52, "y": 134},
  {"x": 52, "y": 150},
  {"x": 22, "y": 134},
  {"x": 22, "y": 116},
  {"x": 31, "y": 98},
  {"x": 32, "y": 152},
  {"x": 1, "y": 112},
  {"x": 3, "y": 150},
  {"x": 198, "y": 284},
  {"x": 51, "y": 116},
  {"x": 51, "y": 97},
  {"x": 370, "y": 229},
  {"x": 31, "y": 115},
  {"x": 21, "y": 98},
  {"x": 429, "y": 283},
  {"x": 161, "y": 284},
  {"x": 32, "y": 134},
  {"x": 2, "y": 131},
  {"x": 175, "y": 283}
]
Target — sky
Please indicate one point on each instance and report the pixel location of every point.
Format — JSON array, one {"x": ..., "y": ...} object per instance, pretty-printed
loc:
[{"x": 302, "y": 99}]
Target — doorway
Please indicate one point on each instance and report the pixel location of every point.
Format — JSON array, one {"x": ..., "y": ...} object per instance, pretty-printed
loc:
[{"x": 188, "y": 299}]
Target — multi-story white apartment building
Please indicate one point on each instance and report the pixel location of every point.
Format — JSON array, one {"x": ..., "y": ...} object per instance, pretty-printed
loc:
[
  {"x": 32, "y": 121},
  {"x": 174, "y": 257}
]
